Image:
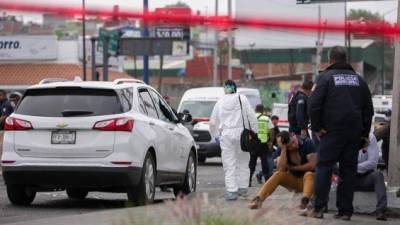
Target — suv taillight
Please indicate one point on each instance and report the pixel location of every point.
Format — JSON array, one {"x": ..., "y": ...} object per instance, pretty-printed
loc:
[
  {"x": 119, "y": 124},
  {"x": 17, "y": 124}
]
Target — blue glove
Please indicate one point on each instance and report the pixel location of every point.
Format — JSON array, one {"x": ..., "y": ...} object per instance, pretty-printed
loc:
[{"x": 217, "y": 140}]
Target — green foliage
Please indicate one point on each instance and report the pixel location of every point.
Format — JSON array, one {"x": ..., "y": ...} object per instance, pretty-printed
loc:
[
  {"x": 356, "y": 14},
  {"x": 224, "y": 220},
  {"x": 179, "y": 4}
]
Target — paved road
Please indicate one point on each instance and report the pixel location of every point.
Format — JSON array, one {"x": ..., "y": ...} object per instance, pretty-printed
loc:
[
  {"x": 104, "y": 208},
  {"x": 54, "y": 204}
]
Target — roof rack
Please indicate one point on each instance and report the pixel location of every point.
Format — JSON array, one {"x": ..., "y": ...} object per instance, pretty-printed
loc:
[
  {"x": 52, "y": 80},
  {"x": 127, "y": 80}
]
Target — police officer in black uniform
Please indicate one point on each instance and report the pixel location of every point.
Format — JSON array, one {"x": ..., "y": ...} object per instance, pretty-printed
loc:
[
  {"x": 5, "y": 108},
  {"x": 340, "y": 109},
  {"x": 297, "y": 113}
]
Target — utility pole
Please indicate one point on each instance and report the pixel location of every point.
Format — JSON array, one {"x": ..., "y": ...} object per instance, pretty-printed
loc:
[
  {"x": 93, "y": 41},
  {"x": 394, "y": 153},
  {"x": 106, "y": 43},
  {"x": 145, "y": 34},
  {"x": 230, "y": 41},
  {"x": 318, "y": 46},
  {"x": 84, "y": 38},
  {"x": 215, "y": 52},
  {"x": 383, "y": 59}
]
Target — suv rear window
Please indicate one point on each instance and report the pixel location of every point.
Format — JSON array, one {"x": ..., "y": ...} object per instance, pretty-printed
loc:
[{"x": 67, "y": 102}]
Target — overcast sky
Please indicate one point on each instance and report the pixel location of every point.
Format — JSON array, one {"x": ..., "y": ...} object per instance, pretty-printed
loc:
[{"x": 205, "y": 6}]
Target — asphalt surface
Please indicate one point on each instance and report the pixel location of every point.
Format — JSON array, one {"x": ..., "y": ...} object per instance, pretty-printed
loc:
[
  {"x": 55, "y": 204},
  {"x": 105, "y": 208}
]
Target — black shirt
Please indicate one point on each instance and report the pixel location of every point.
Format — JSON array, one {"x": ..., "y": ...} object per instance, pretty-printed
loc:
[
  {"x": 341, "y": 101},
  {"x": 6, "y": 109},
  {"x": 297, "y": 113}
]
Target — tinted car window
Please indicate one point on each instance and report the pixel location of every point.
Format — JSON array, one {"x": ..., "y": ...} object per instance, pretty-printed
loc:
[
  {"x": 126, "y": 96},
  {"x": 63, "y": 102},
  {"x": 163, "y": 109},
  {"x": 148, "y": 103}
]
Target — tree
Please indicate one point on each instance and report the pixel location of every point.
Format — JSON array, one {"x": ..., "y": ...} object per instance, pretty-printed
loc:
[
  {"x": 179, "y": 4},
  {"x": 356, "y": 14}
]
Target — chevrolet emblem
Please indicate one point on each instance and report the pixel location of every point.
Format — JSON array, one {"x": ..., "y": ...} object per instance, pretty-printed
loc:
[{"x": 61, "y": 125}]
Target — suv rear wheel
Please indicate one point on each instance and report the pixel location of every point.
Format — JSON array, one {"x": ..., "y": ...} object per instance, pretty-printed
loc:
[
  {"x": 76, "y": 193},
  {"x": 145, "y": 192},
  {"x": 190, "y": 181},
  {"x": 20, "y": 195}
]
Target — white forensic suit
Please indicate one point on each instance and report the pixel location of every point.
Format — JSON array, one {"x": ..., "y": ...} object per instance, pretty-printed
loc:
[{"x": 226, "y": 124}]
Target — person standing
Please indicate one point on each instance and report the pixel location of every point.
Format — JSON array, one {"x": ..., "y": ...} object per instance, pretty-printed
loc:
[
  {"x": 5, "y": 108},
  {"x": 226, "y": 125},
  {"x": 340, "y": 109},
  {"x": 297, "y": 113},
  {"x": 263, "y": 152},
  {"x": 14, "y": 99}
]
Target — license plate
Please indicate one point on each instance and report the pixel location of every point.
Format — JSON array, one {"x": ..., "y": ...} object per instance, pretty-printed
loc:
[{"x": 63, "y": 137}]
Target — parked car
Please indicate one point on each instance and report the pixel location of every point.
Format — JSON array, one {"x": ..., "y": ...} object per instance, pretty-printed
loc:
[
  {"x": 80, "y": 137},
  {"x": 200, "y": 103}
]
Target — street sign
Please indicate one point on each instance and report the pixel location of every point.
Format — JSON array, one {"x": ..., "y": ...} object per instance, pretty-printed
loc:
[
  {"x": 172, "y": 32},
  {"x": 113, "y": 36},
  {"x": 152, "y": 46},
  {"x": 179, "y": 48}
]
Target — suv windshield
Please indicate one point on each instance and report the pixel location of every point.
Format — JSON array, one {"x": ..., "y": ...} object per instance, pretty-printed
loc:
[
  {"x": 68, "y": 102},
  {"x": 199, "y": 109}
]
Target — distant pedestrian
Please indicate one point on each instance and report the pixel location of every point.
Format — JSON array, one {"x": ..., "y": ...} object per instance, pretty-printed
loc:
[
  {"x": 340, "y": 109},
  {"x": 5, "y": 108},
  {"x": 226, "y": 124},
  {"x": 264, "y": 125},
  {"x": 297, "y": 114},
  {"x": 295, "y": 169},
  {"x": 274, "y": 131},
  {"x": 15, "y": 97}
]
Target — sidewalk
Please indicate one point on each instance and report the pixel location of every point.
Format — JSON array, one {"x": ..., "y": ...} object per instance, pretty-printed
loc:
[
  {"x": 365, "y": 202},
  {"x": 280, "y": 208}
]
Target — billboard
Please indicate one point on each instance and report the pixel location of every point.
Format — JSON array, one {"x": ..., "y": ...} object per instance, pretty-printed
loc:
[{"x": 28, "y": 48}]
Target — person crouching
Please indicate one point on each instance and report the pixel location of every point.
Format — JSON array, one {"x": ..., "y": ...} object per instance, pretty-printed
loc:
[{"x": 295, "y": 169}]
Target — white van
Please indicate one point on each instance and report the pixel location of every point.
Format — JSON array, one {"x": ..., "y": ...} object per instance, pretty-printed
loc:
[
  {"x": 200, "y": 103},
  {"x": 281, "y": 110}
]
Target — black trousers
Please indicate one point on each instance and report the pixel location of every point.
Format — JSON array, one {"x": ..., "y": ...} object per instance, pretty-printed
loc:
[
  {"x": 263, "y": 154},
  {"x": 342, "y": 147},
  {"x": 373, "y": 182}
]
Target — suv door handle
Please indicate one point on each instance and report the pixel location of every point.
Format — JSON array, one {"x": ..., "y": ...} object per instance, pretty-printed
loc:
[
  {"x": 152, "y": 124},
  {"x": 171, "y": 128}
]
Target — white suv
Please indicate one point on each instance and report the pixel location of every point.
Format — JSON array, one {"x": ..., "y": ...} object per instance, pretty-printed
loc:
[{"x": 79, "y": 136}]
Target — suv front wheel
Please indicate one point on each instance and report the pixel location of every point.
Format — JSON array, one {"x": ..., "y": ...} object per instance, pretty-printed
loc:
[
  {"x": 145, "y": 192},
  {"x": 20, "y": 195}
]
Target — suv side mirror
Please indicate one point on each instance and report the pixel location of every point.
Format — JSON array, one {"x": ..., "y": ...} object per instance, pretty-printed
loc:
[{"x": 185, "y": 117}]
